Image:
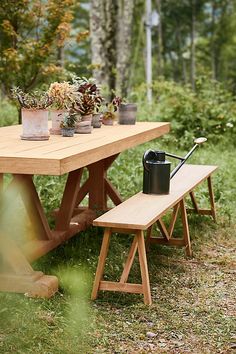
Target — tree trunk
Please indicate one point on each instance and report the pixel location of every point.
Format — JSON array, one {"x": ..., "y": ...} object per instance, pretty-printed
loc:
[
  {"x": 125, "y": 19},
  {"x": 160, "y": 40},
  {"x": 98, "y": 40},
  {"x": 213, "y": 51},
  {"x": 111, "y": 10},
  {"x": 193, "y": 29},
  {"x": 103, "y": 28}
]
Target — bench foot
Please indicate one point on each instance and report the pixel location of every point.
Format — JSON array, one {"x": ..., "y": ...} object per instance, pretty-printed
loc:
[{"x": 122, "y": 286}]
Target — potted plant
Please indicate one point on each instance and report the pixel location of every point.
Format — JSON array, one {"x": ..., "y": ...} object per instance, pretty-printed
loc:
[
  {"x": 68, "y": 124},
  {"x": 34, "y": 113},
  {"x": 63, "y": 95},
  {"x": 110, "y": 113},
  {"x": 127, "y": 113},
  {"x": 88, "y": 99}
]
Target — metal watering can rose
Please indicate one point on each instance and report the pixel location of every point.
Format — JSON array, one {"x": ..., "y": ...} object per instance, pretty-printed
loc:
[{"x": 157, "y": 170}]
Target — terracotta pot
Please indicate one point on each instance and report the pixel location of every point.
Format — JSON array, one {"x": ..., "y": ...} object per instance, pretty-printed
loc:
[
  {"x": 67, "y": 132},
  {"x": 96, "y": 120},
  {"x": 34, "y": 124},
  {"x": 56, "y": 117},
  {"x": 84, "y": 127},
  {"x": 127, "y": 113}
]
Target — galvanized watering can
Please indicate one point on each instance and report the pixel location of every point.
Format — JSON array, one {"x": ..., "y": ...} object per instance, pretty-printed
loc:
[{"x": 157, "y": 170}]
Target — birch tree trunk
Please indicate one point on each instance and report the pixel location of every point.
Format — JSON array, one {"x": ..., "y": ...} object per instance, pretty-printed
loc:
[
  {"x": 124, "y": 38},
  {"x": 193, "y": 34},
  {"x": 160, "y": 40},
  {"x": 213, "y": 51}
]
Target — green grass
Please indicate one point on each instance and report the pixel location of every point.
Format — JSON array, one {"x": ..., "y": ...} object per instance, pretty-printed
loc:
[{"x": 193, "y": 307}]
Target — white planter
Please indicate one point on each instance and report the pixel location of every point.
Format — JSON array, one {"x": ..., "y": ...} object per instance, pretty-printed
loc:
[
  {"x": 34, "y": 124},
  {"x": 56, "y": 117}
]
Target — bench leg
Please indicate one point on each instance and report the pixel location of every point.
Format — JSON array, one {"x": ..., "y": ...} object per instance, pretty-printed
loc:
[
  {"x": 199, "y": 211},
  {"x": 212, "y": 199},
  {"x": 144, "y": 268},
  {"x": 185, "y": 228},
  {"x": 167, "y": 238},
  {"x": 101, "y": 262},
  {"x": 122, "y": 286}
]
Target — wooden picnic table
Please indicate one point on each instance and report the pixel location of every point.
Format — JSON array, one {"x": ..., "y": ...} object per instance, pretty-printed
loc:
[{"x": 57, "y": 156}]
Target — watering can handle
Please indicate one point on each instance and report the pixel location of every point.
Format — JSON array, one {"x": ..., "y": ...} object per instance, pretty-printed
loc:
[{"x": 145, "y": 157}]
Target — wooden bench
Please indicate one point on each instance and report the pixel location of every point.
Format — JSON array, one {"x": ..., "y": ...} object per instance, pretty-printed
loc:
[{"x": 140, "y": 213}]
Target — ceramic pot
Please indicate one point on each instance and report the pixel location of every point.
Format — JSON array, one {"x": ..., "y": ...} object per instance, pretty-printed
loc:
[
  {"x": 83, "y": 127},
  {"x": 56, "y": 117},
  {"x": 108, "y": 121},
  {"x": 67, "y": 132},
  {"x": 87, "y": 117},
  {"x": 127, "y": 113},
  {"x": 34, "y": 124},
  {"x": 96, "y": 120}
]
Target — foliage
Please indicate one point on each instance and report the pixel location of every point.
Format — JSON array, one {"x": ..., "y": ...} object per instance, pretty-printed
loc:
[
  {"x": 69, "y": 121},
  {"x": 111, "y": 108},
  {"x": 32, "y": 32},
  {"x": 32, "y": 100},
  {"x": 63, "y": 94},
  {"x": 89, "y": 98},
  {"x": 209, "y": 111},
  {"x": 9, "y": 113}
]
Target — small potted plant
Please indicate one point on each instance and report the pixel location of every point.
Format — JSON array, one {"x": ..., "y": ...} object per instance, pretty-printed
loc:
[
  {"x": 68, "y": 124},
  {"x": 63, "y": 95},
  {"x": 88, "y": 100},
  {"x": 34, "y": 113},
  {"x": 110, "y": 113}
]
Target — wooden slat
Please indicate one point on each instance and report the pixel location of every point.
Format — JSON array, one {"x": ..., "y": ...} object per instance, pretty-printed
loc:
[
  {"x": 142, "y": 210},
  {"x": 129, "y": 261},
  {"x": 60, "y": 155},
  {"x": 171, "y": 242},
  {"x": 124, "y": 287},
  {"x": 200, "y": 211}
]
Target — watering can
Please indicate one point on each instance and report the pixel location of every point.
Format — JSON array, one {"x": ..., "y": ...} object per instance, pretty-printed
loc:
[{"x": 157, "y": 170}]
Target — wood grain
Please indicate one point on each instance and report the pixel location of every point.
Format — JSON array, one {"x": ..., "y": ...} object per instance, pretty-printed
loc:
[
  {"x": 60, "y": 155},
  {"x": 142, "y": 210}
]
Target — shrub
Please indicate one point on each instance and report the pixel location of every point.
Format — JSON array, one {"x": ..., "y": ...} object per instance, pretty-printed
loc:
[
  {"x": 9, "y": 113},
  {"x": 209, "y": 111}
]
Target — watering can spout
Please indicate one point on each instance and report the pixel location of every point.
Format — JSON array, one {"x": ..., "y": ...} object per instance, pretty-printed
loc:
[{"x": 197, "y": 142}]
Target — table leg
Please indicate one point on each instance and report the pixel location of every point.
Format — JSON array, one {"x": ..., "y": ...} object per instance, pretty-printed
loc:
[
  {"x": 16, "y": 273},
  {"x": 100, "y": 188},
  {"x": 18, "y": 276}
]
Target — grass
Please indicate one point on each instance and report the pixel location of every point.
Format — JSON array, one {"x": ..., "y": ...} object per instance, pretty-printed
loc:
[{"x": 193, "y": 307}]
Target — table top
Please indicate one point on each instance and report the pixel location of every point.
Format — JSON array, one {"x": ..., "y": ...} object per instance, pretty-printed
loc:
[{"x": 60, "y": 155}]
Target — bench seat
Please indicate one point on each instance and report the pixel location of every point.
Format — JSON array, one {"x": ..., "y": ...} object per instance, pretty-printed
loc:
[{"x": 140, "y": 213}]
